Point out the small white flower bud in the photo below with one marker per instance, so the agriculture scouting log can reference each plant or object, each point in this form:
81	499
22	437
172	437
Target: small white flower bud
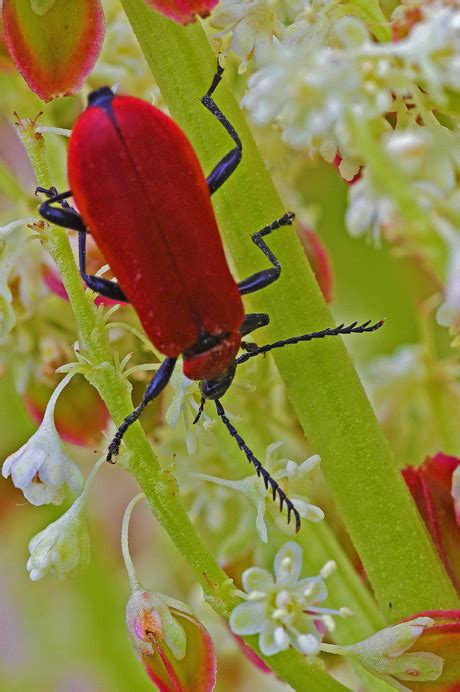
62	546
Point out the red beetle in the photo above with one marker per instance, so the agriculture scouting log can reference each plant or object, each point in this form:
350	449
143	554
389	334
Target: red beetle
141	193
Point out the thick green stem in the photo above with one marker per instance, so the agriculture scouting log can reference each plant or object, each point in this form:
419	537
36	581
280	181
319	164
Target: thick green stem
399	558
158	485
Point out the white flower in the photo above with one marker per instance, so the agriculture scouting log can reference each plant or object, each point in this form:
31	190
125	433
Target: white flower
368	211
251	23
293	478
62	546
283	610
41	468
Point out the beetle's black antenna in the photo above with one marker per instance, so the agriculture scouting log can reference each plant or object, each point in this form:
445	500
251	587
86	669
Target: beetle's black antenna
330	331
200	411
269	482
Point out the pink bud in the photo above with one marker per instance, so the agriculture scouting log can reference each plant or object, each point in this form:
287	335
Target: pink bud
319	259
183	11
431	487
74	32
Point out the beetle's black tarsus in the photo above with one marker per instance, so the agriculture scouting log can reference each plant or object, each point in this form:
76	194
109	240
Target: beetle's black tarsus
267	276
200	410
253	321
230	161
341	330
104	287
269	482
158	383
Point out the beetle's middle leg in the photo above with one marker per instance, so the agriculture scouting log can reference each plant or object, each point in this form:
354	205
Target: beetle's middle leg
66	216
267	276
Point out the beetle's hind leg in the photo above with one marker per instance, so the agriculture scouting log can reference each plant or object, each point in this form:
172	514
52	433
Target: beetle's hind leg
267	276
269	482
66	216
230	161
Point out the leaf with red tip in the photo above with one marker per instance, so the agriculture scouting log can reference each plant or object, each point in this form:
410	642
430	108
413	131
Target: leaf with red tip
196	671
183	11
431	487
53	43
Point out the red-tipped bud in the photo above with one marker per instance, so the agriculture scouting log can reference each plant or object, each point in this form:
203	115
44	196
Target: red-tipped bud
431	487
176	650
53	43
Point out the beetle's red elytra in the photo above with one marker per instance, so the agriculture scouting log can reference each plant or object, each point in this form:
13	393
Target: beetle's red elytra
141	192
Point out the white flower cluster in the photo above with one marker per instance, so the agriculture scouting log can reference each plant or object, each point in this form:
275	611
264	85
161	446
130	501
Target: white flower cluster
335	91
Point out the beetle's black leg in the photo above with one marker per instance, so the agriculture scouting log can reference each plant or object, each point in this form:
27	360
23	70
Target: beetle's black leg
253	321
63	215
330	331
105	287
67	216
158	383
266	276
228	164
269	482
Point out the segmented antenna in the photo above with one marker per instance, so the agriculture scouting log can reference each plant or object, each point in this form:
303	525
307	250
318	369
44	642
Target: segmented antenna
269	482
330	331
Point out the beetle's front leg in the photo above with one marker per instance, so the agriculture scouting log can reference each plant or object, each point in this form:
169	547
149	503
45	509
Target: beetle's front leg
158	383
66	216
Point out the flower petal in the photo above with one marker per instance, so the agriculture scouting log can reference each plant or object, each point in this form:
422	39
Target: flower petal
288	563
55	45
249	618
273	639
257	579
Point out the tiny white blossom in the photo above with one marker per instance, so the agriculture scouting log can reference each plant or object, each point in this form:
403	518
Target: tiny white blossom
283	610
41	468
292	477
62	546
251	24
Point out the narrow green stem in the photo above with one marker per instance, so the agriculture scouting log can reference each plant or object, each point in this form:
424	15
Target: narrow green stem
158	485
130	569
399	558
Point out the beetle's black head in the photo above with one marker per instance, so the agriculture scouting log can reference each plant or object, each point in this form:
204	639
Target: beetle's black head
101	97
214	389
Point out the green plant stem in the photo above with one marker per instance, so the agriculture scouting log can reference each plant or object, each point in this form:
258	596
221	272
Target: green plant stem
400	560
158	485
